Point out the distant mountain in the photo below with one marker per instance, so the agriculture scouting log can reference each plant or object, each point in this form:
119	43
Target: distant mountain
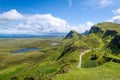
32	35
72	34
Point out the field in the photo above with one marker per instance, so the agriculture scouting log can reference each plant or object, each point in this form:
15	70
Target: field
58	58
13	63
108	71
44	63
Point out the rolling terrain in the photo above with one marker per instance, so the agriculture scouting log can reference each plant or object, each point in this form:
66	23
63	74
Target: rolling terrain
93	56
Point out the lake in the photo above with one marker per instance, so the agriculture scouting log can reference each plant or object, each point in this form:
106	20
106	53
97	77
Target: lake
54	44
26	50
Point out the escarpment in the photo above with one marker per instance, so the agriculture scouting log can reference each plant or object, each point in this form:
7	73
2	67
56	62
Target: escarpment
95	29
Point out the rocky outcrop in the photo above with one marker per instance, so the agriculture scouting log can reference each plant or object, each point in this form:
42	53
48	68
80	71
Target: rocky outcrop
72	34
106	33
110	33
95	29
116	41
111	59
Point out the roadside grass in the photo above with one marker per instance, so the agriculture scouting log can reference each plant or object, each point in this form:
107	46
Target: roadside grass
108	71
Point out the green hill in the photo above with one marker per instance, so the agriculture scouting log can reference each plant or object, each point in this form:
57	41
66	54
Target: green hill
59	62
72	34
108	26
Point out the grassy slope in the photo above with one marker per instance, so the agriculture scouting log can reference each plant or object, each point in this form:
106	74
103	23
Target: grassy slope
46	63
17	64
109	26
105	72
108	71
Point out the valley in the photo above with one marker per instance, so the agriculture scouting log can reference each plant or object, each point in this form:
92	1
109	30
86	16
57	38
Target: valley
92	56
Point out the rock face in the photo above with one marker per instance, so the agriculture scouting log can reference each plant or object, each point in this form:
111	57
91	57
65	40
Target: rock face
116	41
95	29
72	34
110	33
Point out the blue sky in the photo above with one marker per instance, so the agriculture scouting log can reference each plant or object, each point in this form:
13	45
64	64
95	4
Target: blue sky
72	14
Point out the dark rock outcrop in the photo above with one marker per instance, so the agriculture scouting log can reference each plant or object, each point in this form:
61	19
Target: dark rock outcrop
72	34
112	59
95	29
110	33
94	57
116	41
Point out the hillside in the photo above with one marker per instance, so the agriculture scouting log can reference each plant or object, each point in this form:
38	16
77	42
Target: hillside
72	34
108	26
103	41
59	62
108	71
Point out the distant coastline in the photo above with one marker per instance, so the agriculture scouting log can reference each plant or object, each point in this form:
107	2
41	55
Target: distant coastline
31	36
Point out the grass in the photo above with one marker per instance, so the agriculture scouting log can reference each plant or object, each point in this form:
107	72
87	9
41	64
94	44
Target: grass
108	71
25	64
11	71
59	62
109	26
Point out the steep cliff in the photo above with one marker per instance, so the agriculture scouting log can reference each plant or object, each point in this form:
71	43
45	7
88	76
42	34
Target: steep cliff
96	29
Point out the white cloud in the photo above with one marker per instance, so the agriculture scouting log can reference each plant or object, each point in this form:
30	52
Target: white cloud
116	11
105	3
99	3
16	23
10	15
86	26
44	23
115	19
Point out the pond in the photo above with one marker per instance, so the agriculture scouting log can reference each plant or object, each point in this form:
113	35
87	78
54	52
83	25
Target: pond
25	50
54	44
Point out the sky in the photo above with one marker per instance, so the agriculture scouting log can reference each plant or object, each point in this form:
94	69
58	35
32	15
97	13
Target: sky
55	16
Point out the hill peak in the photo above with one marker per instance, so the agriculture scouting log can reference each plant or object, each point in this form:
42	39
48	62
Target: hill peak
109	26
72	34
104	26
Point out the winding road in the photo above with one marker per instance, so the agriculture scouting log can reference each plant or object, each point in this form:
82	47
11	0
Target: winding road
80	59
